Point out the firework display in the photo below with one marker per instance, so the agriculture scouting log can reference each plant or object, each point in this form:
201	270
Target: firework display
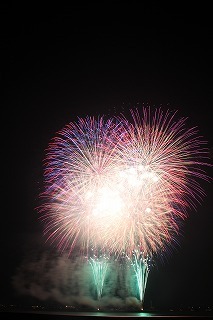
122	184
99	268
141	268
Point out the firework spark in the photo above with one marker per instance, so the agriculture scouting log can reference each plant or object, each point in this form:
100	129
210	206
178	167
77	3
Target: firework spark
99	268
141	267
122	184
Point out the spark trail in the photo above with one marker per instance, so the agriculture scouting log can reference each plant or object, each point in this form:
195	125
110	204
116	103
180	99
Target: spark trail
99	268
141	269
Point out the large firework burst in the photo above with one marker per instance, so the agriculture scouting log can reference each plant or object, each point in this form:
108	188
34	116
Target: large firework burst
121	184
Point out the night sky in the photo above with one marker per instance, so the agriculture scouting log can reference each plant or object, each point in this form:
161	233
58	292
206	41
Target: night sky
61	63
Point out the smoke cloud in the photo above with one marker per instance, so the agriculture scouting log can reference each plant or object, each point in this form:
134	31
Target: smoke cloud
56	278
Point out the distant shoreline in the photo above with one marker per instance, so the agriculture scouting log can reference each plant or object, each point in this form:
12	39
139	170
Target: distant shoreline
46	315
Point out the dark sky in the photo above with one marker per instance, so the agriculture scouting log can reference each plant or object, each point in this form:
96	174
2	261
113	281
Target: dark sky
77	60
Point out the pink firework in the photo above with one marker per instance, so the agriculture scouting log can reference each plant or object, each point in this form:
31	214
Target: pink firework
122	184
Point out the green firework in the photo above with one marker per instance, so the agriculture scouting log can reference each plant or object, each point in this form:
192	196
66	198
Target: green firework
99	268
141	270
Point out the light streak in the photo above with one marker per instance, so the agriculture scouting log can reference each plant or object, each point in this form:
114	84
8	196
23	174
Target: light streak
99	268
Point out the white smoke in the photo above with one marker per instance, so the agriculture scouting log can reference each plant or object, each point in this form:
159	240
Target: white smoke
55	278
